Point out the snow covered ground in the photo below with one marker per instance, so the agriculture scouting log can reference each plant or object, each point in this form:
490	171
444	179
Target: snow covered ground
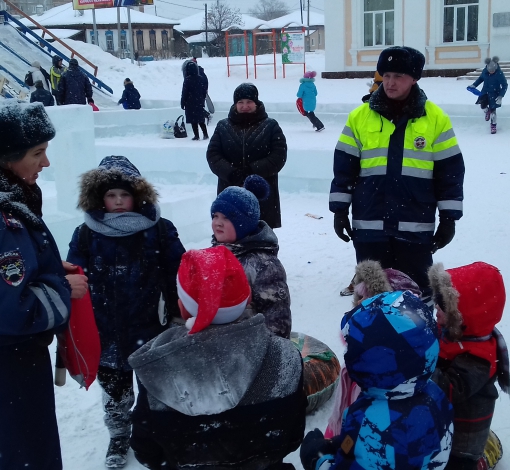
318	264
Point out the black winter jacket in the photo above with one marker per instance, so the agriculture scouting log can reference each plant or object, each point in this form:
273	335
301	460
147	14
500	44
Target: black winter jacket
124	277
42	96
194	91
74	87
258	253
247	144
130	97
245	408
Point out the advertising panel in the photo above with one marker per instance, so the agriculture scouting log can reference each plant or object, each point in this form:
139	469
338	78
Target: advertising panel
293	47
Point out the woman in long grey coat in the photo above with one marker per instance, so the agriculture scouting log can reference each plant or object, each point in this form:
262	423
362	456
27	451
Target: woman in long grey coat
249	142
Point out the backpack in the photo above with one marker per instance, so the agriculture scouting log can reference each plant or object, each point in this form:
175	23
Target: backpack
29	80
180	129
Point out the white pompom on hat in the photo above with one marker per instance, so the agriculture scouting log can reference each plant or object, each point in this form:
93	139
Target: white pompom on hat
212	286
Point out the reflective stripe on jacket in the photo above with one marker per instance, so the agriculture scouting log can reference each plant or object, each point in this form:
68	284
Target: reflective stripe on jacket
396	175
55	74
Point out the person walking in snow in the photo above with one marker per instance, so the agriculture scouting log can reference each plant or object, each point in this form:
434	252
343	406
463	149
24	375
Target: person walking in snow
201	72
36	288
397	161
131	256
41	95
56	72
236	224
194	91
221	392
248	142
74	86
38	73
308	92
470	301
493	90
130	97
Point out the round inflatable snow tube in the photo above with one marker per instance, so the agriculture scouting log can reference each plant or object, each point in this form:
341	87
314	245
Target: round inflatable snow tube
321	369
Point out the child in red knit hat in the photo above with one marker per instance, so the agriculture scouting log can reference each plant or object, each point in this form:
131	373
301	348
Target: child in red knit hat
470	301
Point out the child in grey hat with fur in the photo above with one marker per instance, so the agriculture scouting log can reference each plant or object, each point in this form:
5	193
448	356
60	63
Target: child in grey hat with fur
131	256
493	90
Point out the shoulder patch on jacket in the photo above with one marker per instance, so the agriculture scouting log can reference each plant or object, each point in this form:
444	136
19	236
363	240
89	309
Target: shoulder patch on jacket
11	221
12	268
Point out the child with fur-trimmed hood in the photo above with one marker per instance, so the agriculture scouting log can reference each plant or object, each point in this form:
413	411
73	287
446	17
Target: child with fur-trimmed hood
470	302
131	256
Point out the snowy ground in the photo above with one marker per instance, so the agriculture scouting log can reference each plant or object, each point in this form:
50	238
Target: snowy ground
318	264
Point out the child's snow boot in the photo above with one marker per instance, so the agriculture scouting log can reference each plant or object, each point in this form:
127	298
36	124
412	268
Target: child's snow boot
493	128
320	129
116	455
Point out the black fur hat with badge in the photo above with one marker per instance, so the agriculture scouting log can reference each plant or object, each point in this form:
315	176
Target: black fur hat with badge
401	59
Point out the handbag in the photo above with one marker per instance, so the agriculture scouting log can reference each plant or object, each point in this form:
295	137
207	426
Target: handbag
180	129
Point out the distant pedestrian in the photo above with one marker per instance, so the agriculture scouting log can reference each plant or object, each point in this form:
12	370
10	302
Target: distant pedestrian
130	97
74	86
56	72
201	72
41	95
308	92
194	91
38	73
493	91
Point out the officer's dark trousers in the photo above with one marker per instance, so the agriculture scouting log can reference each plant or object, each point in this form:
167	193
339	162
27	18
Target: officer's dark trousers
28	425
413	259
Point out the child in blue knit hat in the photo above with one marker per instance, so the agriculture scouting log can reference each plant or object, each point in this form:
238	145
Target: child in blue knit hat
236	224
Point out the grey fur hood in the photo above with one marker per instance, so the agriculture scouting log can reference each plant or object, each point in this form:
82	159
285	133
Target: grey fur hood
116	168
206	373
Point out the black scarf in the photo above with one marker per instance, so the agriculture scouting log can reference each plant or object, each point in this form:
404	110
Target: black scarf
394	110
19	198
247	119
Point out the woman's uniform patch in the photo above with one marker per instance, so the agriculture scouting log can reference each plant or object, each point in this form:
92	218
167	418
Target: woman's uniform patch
12	268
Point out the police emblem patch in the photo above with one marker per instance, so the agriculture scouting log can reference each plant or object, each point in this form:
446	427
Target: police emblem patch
12	268
420	142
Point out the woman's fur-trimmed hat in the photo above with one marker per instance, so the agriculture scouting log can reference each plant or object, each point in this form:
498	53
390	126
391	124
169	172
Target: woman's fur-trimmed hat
371	279
22	126
114	172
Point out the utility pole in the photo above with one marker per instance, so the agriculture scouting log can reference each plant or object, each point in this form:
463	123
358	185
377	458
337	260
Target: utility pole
301	9
206	34
308	26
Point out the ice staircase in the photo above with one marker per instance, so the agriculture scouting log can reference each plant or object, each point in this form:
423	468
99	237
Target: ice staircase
504	66
19	47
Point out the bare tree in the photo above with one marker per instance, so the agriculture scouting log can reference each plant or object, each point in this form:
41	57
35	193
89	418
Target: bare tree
269	9
219	17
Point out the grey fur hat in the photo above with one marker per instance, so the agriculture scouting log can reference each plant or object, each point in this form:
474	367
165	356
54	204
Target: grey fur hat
492	64
371	279
447	297
114	172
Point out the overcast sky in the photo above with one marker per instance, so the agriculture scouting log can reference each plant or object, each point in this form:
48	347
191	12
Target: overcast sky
181	8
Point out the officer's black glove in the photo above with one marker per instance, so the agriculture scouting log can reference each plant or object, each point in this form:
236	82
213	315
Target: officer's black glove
444	233
314	446
342	223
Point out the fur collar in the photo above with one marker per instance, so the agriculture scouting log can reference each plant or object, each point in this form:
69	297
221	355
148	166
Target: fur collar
413	107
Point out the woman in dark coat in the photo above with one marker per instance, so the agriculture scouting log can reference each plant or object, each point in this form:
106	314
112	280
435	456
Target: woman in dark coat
249	142
194	91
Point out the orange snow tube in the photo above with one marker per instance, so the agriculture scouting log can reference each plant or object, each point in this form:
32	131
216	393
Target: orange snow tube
321	369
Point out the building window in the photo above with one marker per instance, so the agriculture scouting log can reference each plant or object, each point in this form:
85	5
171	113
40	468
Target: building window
379	22
460	21
139	41
319	38
152	40
312	41
109	41
123	40
164	40
92	39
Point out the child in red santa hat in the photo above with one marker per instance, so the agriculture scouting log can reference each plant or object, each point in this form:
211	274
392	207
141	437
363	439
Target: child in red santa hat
222	391
473	354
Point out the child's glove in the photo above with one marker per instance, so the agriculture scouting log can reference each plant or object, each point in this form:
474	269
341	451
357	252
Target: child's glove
499	99
342	223
90	101
314	447
471	86
444	233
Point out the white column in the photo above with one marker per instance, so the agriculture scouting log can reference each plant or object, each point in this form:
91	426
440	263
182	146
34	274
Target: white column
334	35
